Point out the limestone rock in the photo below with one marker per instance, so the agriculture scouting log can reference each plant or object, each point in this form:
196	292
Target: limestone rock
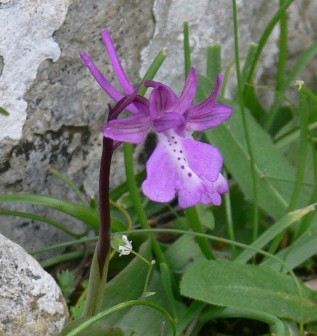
31	303
26	34
65	107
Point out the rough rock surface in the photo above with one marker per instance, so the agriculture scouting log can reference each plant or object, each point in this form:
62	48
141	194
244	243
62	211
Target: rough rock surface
64	106
31	303
66	110
26	41
209	23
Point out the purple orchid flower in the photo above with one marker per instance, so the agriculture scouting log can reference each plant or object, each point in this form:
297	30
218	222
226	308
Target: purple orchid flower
179	164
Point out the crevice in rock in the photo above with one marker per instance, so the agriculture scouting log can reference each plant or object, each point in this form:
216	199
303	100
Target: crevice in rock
1	65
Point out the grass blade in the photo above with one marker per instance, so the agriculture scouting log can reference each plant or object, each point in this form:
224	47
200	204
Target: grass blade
85	214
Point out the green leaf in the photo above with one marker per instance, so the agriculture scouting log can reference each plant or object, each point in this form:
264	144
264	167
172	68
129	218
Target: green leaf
153	69
129	285
278	327
41	219
182	253
4	111
273	232
257	288
265	36
66	282
295	254
305	57
214	66
99	328
204	88
83	213
186	49
70	183
250	97
275	176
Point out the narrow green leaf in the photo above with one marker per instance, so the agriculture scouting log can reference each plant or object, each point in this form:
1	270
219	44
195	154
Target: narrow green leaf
153	69
297	253
66	244
168	287
62	258
278	327
303	105
253	103
305	57
4	111
83	213
195	224
204	88
99	328
119	307
265	36
257	288
186	49
214	66
281	225
246	130
41	219
248	63
70	183
283	42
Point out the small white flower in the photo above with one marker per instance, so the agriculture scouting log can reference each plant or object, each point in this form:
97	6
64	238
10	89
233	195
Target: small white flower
299	83
126	248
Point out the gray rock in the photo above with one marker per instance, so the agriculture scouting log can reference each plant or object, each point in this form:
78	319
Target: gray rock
66	108
31	303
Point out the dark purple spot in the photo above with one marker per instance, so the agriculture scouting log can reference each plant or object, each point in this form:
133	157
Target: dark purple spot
173	137
181	151
174	150
175	142
189	174
183	167
178	158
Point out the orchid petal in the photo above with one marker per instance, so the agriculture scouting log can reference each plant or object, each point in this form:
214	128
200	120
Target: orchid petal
174	168
160	184
100	78
208	113
167	121
133	129
211	100
204	159
221	185
212	193
189	92
117	66
208	117
162	98
115	94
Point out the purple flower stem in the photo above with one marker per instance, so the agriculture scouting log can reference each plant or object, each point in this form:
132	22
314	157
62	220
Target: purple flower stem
104	204
108	147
